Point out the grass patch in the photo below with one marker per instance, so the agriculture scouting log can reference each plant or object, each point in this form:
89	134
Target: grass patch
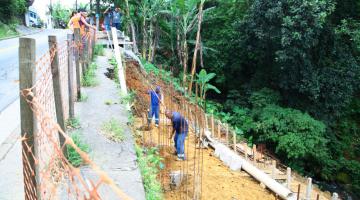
73	123
89	78
7	30
149	162
113	130
83	98
73	156
127	98
99	50
113	62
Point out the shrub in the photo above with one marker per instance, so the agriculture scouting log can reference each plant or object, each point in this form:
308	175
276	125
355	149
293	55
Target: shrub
73	123
72	155
149	162
99	50
89	78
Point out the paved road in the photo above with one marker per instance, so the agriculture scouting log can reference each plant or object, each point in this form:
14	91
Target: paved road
9	64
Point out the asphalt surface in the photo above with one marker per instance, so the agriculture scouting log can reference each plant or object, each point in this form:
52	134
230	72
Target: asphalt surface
9	63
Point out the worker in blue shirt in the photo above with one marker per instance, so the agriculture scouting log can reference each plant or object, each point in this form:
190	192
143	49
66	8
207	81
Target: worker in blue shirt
180	129
155	100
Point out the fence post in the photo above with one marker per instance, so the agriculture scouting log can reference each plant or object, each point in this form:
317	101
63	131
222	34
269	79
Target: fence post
212	126
55	71
219	130
88	48
273	169
27	55
298	192
308	189
227	135
206	122
119	62
70	75
335	196
234	140
288	177
254	153
77	61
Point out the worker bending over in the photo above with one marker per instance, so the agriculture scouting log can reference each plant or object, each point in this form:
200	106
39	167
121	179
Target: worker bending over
155	101
180	129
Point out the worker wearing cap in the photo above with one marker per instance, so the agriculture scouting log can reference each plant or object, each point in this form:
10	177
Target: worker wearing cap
155	100
180	129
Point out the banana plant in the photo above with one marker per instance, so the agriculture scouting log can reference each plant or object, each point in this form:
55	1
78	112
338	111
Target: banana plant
203	79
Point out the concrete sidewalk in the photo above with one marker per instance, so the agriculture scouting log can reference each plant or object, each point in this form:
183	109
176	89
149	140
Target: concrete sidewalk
118	160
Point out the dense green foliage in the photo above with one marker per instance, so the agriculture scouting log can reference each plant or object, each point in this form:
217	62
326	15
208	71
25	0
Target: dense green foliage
288	72
7	30
149	162
60	14
10	9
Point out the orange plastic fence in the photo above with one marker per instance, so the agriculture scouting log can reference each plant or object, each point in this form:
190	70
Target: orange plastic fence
52	176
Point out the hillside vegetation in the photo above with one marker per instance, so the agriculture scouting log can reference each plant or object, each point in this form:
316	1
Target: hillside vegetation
288	72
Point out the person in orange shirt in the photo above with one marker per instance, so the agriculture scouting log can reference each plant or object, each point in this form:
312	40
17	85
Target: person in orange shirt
78	20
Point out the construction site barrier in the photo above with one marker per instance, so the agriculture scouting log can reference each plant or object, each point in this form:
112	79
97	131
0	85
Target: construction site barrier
48	88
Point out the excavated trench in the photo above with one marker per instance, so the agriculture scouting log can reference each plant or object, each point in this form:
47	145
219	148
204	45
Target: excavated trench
218	181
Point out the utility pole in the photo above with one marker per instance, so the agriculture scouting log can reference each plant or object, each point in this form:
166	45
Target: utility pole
76	8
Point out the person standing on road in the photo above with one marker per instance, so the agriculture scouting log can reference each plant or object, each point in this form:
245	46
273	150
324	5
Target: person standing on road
155	101
180	129
79	21
107	24
116	22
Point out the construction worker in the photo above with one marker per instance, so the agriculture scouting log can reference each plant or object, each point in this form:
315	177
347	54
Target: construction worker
180	129
155	101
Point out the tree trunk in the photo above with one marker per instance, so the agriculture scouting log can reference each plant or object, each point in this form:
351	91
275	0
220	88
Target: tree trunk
132	28
197	46
185	59
156	41
178	46
145	38
151	41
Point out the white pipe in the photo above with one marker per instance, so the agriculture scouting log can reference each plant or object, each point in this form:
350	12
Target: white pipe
233	160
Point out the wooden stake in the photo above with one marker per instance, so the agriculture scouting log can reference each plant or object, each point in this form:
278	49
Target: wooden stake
70	76
77	61
288	179
298	192
273	169
219	130
55	71
212	126
234	141
27	56
308	189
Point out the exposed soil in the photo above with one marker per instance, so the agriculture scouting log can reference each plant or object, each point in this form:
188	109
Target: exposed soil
218	181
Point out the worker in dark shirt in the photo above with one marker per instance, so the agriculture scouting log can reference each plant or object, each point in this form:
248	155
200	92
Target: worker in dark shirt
180	129
155	100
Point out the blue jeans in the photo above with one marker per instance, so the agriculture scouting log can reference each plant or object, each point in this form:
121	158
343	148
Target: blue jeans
107	27
179	141
117	26
154	110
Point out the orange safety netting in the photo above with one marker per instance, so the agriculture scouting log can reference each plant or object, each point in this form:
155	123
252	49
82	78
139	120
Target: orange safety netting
48	174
